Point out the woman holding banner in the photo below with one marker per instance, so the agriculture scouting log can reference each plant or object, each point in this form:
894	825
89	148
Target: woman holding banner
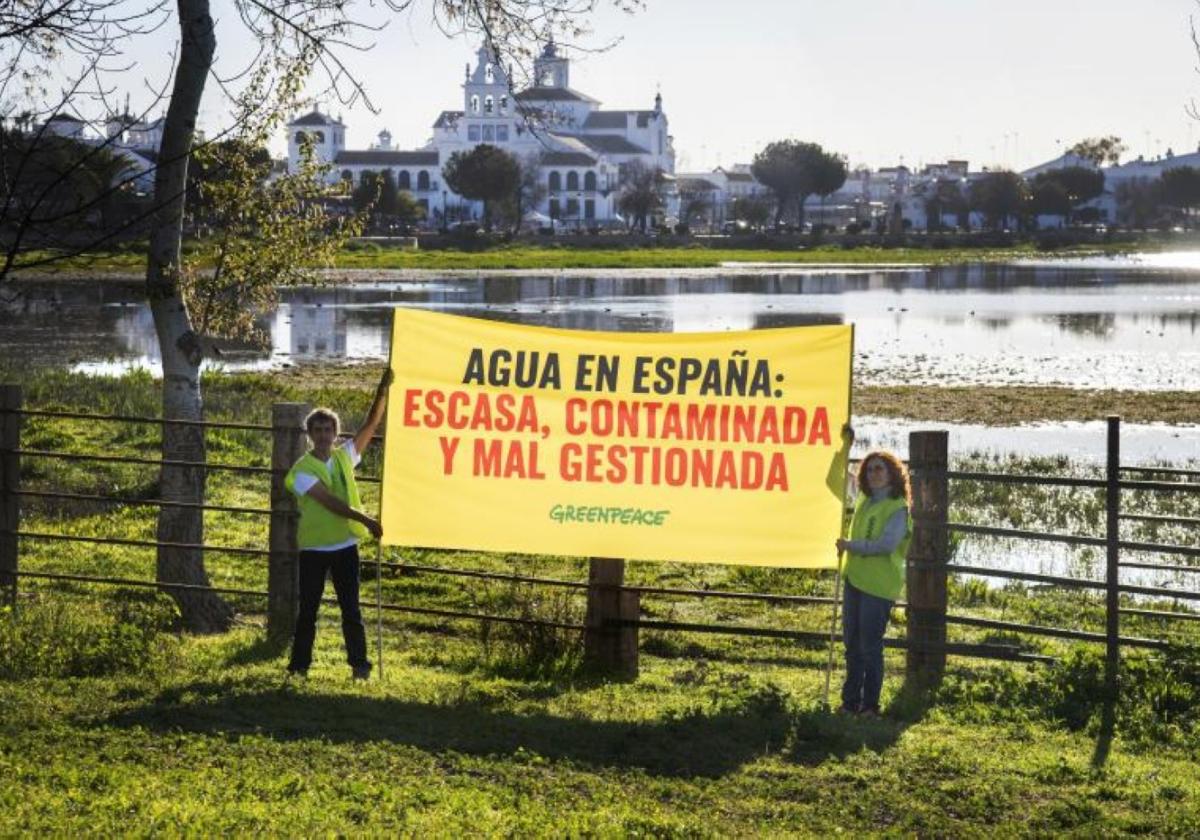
330	526
874	570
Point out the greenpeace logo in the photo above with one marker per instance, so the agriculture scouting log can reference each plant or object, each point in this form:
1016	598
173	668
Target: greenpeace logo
593	515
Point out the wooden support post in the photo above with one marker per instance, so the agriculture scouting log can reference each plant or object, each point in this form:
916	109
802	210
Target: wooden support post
10	484
928	554
608	648
1112	538
288	444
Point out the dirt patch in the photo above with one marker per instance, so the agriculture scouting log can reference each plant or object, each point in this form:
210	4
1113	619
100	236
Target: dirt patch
1024	404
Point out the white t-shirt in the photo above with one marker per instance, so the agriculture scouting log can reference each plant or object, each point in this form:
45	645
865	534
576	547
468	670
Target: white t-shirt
304	481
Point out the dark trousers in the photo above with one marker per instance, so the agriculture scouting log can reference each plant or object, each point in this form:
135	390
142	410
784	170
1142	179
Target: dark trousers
864	621
342	566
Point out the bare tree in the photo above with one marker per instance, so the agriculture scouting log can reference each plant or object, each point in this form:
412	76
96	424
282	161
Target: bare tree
299	42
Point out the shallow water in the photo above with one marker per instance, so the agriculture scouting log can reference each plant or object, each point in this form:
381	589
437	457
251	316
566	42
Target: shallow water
1081	442
1103	323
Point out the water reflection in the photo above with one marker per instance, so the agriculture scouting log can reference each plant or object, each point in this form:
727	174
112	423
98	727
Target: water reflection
1103	324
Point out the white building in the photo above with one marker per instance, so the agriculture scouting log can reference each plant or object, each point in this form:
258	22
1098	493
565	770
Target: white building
137	141
1139	169
580	149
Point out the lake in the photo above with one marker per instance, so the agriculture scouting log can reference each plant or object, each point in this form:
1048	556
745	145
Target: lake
1116	323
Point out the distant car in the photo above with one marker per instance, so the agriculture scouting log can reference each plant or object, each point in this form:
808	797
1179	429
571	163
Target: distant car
735	226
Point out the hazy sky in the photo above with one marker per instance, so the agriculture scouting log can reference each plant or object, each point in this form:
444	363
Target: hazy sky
878	80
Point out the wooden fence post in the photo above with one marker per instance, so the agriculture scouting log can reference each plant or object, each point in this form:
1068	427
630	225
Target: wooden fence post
287	445
10	483
1112	538
928	554
608	648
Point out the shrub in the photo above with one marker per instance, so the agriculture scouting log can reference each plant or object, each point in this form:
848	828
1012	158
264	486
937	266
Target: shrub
1158	697
531	650
77	638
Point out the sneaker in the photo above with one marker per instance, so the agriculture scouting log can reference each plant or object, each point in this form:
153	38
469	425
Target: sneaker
361	672
847	710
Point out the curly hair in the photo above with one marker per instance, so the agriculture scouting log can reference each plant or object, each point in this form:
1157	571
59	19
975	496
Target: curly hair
898	484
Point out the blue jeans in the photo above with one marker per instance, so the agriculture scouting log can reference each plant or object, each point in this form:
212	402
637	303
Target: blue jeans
342	566
864	620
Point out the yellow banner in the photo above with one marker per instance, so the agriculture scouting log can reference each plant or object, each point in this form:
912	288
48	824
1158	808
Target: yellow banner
702	447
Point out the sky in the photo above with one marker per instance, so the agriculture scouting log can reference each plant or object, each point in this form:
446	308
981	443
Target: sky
881	81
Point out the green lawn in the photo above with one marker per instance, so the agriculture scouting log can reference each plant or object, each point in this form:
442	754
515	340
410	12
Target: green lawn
367	255
212	742
113	722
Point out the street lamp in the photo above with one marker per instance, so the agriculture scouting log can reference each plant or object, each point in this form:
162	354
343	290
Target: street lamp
445	221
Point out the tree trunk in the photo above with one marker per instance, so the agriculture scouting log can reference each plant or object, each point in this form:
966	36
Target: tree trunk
202	612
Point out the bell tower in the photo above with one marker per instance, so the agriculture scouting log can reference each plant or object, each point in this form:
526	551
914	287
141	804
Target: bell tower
485	91
550	69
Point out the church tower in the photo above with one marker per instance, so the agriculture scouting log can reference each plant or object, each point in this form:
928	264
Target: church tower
485	91
550	69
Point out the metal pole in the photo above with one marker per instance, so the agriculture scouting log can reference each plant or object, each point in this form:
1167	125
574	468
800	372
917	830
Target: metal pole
837	600
379	606
379	512
837	579
1112	659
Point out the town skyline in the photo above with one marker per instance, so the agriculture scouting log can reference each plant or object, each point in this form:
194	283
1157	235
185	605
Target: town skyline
962	81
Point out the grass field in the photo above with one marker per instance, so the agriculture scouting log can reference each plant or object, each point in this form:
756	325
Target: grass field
368	255
113	722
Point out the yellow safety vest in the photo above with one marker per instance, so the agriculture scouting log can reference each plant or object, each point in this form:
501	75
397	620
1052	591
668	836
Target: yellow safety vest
318	525
881	575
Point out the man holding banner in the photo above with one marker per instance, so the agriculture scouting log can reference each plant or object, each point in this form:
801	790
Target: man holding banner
331	524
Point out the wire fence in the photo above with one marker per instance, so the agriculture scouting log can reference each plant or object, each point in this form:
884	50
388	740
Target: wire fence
929	615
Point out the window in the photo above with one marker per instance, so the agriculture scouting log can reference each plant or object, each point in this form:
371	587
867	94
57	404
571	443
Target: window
347	175
473	133
572	180
423	180
489	133
555	183
404	182
589	209
503	104
423	203
320	137
554	211
489	105
474	104
572	208
589	181
299	137
502	133
489	73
